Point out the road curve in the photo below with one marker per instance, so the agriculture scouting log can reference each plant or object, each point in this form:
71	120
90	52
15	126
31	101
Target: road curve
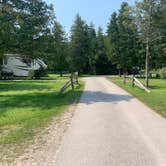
112	128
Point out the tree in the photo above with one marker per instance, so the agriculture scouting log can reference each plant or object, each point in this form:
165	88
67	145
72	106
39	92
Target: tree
33	20
127	37
92	39
79	45
60	48
146	11
7	20
159	43
113	40
102	61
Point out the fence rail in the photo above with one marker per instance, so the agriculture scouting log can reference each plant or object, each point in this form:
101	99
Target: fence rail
136	82
73	80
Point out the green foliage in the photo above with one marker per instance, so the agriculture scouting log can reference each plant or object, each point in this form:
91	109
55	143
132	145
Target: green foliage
7	19
162	73
88	50
127	37
113	39
92	42
152	26
79	45
122	38
40	73
102	61
30	28
23	25
58	53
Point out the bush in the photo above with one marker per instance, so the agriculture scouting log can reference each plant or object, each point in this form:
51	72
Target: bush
162	73
155	74
31	74
40	73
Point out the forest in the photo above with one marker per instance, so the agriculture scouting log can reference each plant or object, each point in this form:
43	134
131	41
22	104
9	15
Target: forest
135	38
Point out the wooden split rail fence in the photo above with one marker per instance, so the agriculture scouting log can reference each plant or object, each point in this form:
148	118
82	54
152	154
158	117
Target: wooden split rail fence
136	82
73	80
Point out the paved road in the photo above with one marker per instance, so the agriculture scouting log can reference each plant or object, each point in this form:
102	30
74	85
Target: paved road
111	128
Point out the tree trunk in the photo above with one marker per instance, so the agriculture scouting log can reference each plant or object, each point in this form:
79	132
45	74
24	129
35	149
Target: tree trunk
61	73
147	64
119	72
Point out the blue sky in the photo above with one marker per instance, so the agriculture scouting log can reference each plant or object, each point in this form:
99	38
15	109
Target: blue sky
96	11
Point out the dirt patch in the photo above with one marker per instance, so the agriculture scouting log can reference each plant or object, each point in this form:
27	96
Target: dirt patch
5	130
42	149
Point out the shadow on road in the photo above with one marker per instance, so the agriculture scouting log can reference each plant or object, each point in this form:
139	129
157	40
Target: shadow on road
90	97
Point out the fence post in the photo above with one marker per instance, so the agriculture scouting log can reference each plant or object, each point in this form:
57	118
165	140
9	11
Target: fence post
71	79
133	81
76	77
124	79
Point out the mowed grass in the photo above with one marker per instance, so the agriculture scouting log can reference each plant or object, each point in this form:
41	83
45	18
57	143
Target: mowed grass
156	99
30	104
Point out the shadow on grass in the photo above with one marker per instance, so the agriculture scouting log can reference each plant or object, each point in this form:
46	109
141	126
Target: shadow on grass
46	101
38	101
21	86
42	100
157	87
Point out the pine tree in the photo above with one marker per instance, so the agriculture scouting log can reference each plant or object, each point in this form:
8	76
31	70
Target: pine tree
33	21
159	45
92	49
22	26
7	20
127	37
79	45
60	48
102	60
146	11
113	41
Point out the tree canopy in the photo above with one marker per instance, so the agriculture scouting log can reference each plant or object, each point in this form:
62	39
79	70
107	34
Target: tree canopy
30	28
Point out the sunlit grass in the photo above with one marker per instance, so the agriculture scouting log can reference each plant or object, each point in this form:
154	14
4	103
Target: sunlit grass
156	99
30	104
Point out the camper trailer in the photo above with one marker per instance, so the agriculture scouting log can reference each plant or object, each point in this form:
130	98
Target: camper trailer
20	66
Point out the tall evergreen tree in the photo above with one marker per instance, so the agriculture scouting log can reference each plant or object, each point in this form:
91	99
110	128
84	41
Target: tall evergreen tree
33	22
159	44
127	37
79	45
60	48
102	60
92	49
146	11
113	40
23	23
7	24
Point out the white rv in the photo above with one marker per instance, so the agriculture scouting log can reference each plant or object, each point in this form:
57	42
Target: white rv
20	66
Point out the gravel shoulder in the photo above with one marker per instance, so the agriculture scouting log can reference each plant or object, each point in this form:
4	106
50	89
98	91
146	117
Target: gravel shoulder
42	149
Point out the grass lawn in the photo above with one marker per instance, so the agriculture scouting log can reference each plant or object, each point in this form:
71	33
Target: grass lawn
26	105
156	99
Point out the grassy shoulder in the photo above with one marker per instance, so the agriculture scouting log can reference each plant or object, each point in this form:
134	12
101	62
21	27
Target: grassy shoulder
156	99
30	104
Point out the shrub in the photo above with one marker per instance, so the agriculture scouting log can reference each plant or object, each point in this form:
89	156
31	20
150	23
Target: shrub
40	73
155	74
162	73
31	74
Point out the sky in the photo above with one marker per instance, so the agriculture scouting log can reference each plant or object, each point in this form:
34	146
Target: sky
96	11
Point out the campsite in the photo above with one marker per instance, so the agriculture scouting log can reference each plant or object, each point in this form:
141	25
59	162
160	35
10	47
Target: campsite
82	83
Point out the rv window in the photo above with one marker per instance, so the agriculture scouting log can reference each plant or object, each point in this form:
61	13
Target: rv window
27	61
